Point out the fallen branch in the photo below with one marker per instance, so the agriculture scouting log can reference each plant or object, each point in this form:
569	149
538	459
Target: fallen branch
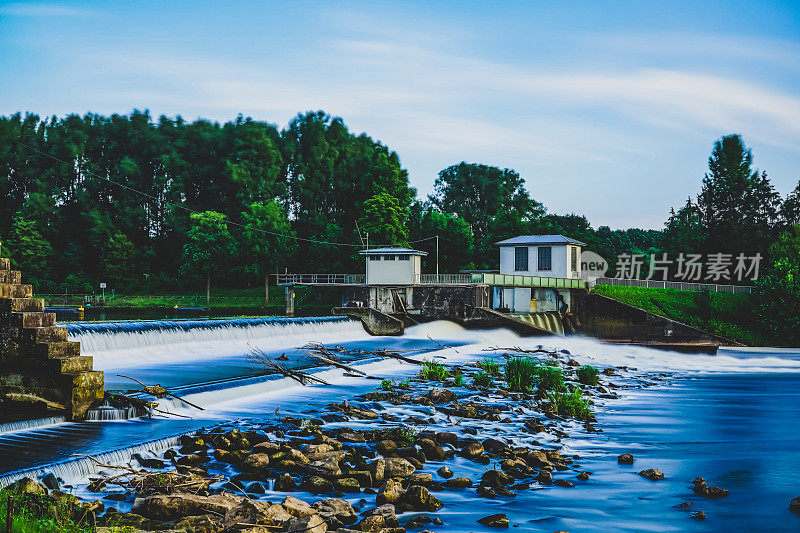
261	358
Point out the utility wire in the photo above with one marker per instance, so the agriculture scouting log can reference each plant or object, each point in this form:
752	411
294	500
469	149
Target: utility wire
180	206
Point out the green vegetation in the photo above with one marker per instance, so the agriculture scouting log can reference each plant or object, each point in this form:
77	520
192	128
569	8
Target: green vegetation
570	404
778	298
489	366
387	384
549	377
458	379
520	373
433	371
40	513
727	314
405	384
481	379
588	375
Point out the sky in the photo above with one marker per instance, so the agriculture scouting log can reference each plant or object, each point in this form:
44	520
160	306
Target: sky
607	109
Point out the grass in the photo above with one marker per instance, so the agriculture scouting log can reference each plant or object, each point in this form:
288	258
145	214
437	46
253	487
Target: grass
433	371
458	379
489	366
571	404
481	379
588	375
34	513
405	384
722	313
520	373
550	377
387	384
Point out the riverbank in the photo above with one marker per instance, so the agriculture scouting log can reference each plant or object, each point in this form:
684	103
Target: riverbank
726	314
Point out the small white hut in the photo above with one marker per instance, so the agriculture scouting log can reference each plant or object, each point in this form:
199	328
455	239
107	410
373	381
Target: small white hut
393	266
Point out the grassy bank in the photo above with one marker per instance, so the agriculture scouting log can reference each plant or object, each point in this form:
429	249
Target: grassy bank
722	313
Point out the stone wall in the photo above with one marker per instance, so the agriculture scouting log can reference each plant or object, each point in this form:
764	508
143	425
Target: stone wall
41	372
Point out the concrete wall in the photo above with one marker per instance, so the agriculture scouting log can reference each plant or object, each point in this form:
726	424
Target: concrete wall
560	261
381	271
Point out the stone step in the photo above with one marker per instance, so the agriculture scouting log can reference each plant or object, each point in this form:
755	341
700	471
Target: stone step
71	365
56	350
12	277
86	390
5	263
44	335
17	305
32	320
10	290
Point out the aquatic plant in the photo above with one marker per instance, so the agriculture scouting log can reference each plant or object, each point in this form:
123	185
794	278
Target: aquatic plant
405	384
433	371
571	404
588	375
387	384
549	377
40	513
520	373
458	379
481	379
489	366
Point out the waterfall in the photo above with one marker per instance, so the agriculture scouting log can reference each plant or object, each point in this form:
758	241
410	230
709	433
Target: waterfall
23	425
547	320
128	344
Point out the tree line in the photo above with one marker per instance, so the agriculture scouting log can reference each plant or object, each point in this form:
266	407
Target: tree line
164	204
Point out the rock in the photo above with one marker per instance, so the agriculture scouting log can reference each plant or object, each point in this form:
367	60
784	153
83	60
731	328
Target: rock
285	483
328	467
199	524
495	446
316	485
486	492
794	505
625	459
178	505
702	489
347	484
446	437
494	478
544	477
257	462
471	451
193	459
496	520
377	469
313	449
398	467
420	478
432	450
564	483
716	492
445	472
583	476
336	512
698	515
438	395
363	477
308	524
378	518
348	435
257	512
296	507
386	447
265	447
148	462
418	498
653	474
26	486
390	492
516	467
573	362
537	459
458	483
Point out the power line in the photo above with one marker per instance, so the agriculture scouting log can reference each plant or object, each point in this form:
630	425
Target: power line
180	206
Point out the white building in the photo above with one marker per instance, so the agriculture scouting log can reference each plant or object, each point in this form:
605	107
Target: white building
541	256
393	266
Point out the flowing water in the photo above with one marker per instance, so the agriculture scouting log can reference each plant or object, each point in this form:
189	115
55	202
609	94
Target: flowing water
731	418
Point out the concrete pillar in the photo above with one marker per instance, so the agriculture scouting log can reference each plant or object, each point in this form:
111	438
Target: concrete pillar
289	300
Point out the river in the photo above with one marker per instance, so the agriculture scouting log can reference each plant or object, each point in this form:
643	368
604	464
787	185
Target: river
730	418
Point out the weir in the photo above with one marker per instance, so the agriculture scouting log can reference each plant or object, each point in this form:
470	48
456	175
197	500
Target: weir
41	372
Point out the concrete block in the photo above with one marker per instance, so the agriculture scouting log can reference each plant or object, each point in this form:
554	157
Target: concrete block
71	365
12	277
9	290
56	350
18	305
5	263
33	320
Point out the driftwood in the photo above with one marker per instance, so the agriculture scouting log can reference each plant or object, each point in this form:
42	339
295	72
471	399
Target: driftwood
321	353
160	392
262	358
519	350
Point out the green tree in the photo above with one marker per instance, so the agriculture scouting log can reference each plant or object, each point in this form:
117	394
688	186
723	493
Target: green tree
790	209
118	258
209	246
267	239
778	289
455	238
384	218
30	251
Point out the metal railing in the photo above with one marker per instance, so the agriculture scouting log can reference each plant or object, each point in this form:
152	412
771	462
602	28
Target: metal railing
445	279
678	285
321	279
513	280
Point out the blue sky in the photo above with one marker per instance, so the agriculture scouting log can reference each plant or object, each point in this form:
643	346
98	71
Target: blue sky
607	109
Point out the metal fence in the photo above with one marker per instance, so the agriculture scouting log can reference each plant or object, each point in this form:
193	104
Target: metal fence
321	279
681	286
445	279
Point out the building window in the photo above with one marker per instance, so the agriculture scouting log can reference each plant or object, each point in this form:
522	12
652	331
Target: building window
574	259
388	258
545	258
403	257
521	258
374	257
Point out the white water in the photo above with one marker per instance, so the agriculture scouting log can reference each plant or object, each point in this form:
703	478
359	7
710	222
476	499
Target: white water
24	425
125	345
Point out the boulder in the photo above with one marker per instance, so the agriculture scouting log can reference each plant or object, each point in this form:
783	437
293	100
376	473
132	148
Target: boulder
386	447
653	474
336	512
377	469
432	450
439	395
496	520
285	483
495	446
328	467
26	486
308	524
794	505
564	483
398	467
199	524
257	462
379	518
348	435
296	507
317	485
537	459
347	484
494	478
458	483
698	515
625	459
418	498
471	451
420	478
583	476
445	472
390	492
178	505
257	512
544	477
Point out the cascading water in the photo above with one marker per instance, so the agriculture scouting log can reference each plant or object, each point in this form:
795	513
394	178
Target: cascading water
116	345
547	320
